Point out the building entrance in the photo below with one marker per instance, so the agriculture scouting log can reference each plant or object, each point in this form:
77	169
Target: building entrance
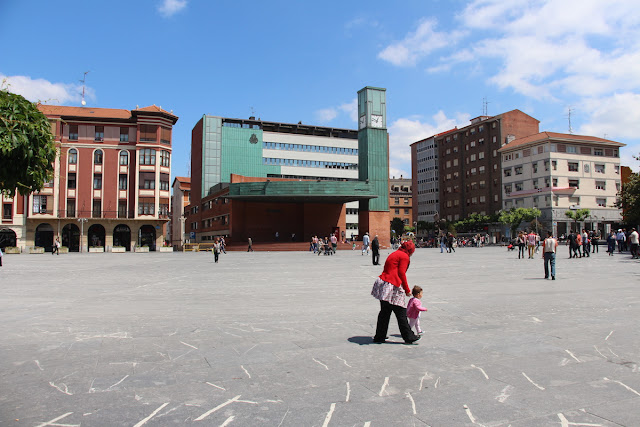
44	237
71	237
7	238
148	237
96	235
122	236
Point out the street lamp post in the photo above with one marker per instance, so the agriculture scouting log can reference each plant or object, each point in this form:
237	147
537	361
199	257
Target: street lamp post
82	221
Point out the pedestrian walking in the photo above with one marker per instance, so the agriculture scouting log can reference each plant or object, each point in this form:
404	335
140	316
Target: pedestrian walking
375	251
56	246
250	248
390	288
365	243
633	243
450	243
216	249
594	242
414	308
222	245
586	249
620	238
520	241
334	243
611	243
1	255
549	256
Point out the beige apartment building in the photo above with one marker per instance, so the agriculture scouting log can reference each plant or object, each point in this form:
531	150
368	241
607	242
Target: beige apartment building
558	172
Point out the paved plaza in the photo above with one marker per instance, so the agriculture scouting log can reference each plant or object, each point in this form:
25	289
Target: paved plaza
284	339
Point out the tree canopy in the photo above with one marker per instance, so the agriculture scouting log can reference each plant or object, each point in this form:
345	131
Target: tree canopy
629	199
398	226
515	216
578	215
27	146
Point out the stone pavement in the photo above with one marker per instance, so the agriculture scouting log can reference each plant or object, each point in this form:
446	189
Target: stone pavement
284	339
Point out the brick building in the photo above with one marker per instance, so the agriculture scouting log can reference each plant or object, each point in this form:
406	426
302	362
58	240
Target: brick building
401	199
469	165
110	187
180	199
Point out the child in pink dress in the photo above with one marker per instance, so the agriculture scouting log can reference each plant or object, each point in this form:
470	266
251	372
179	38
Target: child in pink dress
414	308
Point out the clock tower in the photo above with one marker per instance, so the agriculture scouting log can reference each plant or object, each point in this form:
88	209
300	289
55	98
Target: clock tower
373	161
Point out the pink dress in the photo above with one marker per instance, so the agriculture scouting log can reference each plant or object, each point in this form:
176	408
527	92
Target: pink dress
414	308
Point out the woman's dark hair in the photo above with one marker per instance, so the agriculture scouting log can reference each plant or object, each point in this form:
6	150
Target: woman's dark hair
416	290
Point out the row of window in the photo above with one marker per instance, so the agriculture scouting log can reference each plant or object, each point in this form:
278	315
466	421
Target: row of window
571	167
546	202
309	163
147	181
147	157
148	133
397	211
573	183
562	148
309	148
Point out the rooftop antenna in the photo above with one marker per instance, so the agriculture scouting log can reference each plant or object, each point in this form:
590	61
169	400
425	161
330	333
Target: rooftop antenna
84	78
569	117
485	106
253	112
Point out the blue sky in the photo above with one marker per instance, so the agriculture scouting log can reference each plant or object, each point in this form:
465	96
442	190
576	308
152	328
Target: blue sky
291	61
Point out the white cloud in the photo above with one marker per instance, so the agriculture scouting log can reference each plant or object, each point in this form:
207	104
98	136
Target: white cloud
171	7
617	116
40	90
350	108
326	115
405	131
418	44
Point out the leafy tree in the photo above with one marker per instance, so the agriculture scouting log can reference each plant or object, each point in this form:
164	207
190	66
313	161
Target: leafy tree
629	199
577	216
27	146
514	217
473	222
398	226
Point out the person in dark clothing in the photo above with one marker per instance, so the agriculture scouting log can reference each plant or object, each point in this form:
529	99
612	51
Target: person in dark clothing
573	245
450	243
375	251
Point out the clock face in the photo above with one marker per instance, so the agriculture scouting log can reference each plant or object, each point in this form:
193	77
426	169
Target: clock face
362	122
376	121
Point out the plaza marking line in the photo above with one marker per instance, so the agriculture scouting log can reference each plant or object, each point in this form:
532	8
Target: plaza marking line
348	392
245	371
608	335
437	382
317	361
216	386
481	370
38	365
65	391
609	348
51	423
285	416
211	411
469	414
535	319
328	417
227	421
572	355
345	362
125	377
540	387
503	394
565	423
153	414
188	345
623	385
599	352
426	375
413	403
367	424
386	382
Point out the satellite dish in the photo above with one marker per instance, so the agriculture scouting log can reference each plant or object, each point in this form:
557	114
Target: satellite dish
84	102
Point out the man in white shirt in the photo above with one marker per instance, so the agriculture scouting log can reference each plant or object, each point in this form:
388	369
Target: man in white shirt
365	243
633	241
549	255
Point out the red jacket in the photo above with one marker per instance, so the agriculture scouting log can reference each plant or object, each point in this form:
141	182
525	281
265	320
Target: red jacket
396	265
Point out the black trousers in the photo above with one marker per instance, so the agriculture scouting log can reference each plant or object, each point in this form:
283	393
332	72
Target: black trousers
383	322
375	256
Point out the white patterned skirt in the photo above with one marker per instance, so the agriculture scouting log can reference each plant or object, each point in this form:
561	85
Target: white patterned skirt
385	291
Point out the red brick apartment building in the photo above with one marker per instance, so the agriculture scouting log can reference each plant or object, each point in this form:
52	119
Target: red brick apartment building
111	183
469	164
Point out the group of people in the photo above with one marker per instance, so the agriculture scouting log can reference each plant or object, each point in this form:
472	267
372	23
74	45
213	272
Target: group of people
327	246
448	243
529	240
582	243
625	241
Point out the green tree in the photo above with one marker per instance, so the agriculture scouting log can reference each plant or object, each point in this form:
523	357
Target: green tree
473	222
27	146
398	226
577	216
629	199
514	217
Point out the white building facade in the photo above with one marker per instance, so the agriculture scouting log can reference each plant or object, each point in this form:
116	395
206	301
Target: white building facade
425	186
557	172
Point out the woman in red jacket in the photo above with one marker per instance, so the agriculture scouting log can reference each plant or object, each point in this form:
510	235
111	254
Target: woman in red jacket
390	288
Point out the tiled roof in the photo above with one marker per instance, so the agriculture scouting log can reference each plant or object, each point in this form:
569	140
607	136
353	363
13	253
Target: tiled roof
183	181
560	137
154	109
59	110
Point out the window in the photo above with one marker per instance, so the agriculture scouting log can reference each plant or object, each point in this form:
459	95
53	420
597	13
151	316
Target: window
39	204
397	211
165	135
481	155
481	169
164	181
165	157
573	166
480	128
71	208
483	199
73	132
406	211
148	133
601	202
97	157
617	168
148	156
97	209
473	144
598	152
519	186
124	158
535	184
574	183
71	180
97	182
518	170
473	157
601	185
99	133
555	182
7	211
124	134
534	166
406	200
598	168
571	149
122	208
455	162
507	188
396	200
546	165
73	156
507	172
483	184
554	165
146	206
122	182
